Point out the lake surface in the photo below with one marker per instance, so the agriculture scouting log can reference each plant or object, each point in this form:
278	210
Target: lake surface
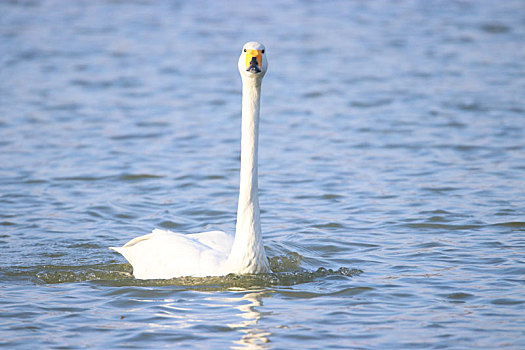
392	167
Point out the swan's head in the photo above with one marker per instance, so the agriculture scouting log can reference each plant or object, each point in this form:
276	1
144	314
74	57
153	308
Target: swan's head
252	62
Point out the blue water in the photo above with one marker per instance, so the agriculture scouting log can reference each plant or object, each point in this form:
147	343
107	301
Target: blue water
392	171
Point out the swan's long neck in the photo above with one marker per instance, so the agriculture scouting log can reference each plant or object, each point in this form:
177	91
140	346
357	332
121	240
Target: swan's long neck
247	254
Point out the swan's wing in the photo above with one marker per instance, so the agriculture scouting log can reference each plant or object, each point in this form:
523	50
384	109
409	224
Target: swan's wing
217	240
164	254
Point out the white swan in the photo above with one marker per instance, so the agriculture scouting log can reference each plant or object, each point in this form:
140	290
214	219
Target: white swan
164	254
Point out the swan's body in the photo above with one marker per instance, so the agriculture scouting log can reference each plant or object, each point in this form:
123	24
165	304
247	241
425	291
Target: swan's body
164	254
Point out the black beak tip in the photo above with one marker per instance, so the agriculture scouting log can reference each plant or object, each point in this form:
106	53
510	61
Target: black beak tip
254	68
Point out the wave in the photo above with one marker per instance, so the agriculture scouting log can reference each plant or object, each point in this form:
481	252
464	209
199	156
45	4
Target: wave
286	271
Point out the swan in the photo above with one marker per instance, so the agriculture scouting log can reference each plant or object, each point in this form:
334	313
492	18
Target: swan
165	254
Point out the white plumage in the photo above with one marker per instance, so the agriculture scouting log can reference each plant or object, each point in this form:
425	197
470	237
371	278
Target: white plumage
165	254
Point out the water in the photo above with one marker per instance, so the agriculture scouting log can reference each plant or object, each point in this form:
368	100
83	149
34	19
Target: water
391	172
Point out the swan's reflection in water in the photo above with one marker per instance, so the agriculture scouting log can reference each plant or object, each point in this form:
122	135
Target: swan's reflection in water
230	316
252	337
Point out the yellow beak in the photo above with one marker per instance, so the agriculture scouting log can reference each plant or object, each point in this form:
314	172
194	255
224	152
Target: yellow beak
250	54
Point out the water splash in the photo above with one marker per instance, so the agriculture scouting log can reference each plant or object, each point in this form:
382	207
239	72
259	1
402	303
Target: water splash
286	272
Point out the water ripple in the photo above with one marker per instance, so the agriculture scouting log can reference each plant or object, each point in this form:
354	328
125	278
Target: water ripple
391	154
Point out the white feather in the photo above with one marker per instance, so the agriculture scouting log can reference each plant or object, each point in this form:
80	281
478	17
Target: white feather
165	254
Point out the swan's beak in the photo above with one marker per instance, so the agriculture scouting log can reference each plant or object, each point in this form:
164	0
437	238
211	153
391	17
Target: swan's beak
253	61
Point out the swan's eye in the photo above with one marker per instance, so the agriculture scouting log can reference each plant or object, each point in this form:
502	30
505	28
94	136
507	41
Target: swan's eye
244	50
262	51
